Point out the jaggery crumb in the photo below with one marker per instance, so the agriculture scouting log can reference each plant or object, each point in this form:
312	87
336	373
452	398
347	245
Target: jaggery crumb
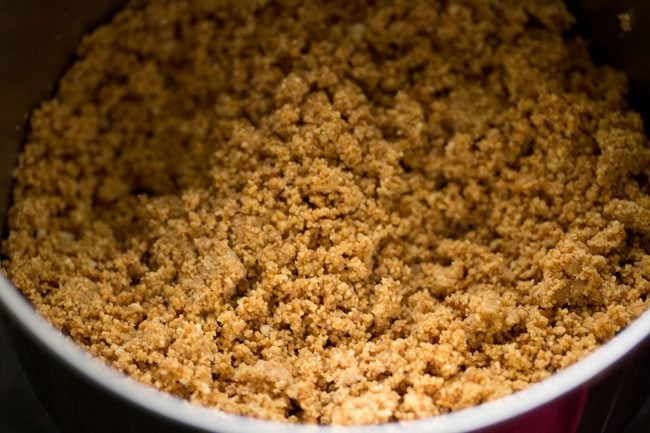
333	211
625	21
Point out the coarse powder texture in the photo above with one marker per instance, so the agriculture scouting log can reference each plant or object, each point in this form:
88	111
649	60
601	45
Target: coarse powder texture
335	212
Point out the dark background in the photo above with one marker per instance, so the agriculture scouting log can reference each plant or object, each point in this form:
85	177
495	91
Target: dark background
20	410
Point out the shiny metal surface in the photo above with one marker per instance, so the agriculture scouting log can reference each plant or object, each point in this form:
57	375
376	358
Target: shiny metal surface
36	42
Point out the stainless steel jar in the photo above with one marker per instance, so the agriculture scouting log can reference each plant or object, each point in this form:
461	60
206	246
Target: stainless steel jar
37	38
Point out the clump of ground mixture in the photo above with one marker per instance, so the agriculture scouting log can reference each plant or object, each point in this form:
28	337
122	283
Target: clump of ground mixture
335	211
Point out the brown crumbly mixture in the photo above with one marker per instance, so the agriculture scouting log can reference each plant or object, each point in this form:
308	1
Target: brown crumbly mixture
625	21
335	212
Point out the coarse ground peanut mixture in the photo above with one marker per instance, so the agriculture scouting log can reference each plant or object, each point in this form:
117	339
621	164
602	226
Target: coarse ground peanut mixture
335	212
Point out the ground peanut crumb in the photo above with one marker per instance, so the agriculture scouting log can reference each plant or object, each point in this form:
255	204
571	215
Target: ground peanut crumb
335	212
625	21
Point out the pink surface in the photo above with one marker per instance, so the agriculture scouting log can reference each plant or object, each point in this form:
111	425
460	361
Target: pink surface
560	416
